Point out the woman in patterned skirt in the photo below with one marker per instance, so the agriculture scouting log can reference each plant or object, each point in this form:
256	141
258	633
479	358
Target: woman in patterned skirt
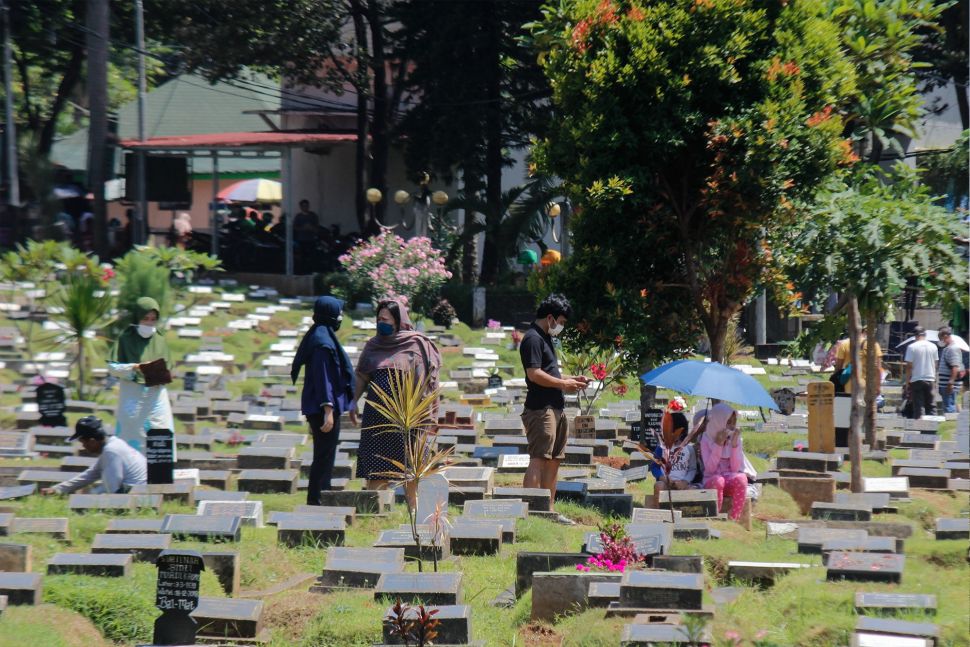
396	347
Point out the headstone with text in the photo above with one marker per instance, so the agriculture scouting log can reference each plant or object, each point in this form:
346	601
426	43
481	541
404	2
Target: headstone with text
651	427
51	405
160	455
177	595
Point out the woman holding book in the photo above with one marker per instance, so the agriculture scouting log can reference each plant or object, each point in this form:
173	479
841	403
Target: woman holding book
141	360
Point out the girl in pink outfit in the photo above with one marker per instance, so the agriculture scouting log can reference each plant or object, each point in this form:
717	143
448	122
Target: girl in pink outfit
724	459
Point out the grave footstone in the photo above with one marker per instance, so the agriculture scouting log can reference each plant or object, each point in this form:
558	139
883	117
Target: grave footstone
762	574
475	539
558	594
618	505
250	513
867	545
650	635
358	567
953	528
8	493
420	588
528	563
229	618
268	481
810	540
133	526
841	511
865	567
679	563
57	527
311	530
454	625
690	503
498	509
202	528
363	501
21	588
661	590
538	499
142	547
902	628
99	565
895	603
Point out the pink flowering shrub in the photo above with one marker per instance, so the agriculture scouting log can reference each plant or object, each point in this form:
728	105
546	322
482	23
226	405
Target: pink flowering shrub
619	552
388	265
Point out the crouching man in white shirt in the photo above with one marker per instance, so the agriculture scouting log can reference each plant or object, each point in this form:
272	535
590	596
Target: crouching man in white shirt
119	466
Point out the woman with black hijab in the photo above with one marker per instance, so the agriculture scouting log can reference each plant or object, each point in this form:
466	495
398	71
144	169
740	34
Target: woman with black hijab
328	390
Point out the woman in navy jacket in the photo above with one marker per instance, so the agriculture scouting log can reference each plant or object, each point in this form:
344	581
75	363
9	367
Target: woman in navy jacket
328	390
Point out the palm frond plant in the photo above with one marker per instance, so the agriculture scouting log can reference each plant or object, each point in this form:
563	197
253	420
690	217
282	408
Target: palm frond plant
671	450
84	306
409	408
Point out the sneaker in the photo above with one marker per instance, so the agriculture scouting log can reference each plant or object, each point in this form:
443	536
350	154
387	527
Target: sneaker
566	521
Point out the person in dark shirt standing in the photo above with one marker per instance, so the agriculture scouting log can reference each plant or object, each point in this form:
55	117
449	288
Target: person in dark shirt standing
543	416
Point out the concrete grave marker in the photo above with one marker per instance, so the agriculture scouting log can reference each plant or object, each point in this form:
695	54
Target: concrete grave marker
359	567
229	617
100	565
865	567
142	547
424	588
821	418
250	513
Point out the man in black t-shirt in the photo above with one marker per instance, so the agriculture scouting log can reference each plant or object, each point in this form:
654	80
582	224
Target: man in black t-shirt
543	418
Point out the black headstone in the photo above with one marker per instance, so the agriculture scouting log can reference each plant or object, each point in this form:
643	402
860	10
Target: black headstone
51	405
177	595
190	380
652	422
160	455
495	381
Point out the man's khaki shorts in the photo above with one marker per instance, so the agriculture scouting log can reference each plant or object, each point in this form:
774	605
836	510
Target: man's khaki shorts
546	431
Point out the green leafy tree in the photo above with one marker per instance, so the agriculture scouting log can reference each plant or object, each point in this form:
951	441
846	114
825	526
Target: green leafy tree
85	308
683	132
862	239
882	39
479	93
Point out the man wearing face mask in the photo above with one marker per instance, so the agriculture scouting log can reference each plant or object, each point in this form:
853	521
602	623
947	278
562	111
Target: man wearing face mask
140	407
543	416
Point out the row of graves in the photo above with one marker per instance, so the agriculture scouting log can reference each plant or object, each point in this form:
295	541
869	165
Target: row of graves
655	598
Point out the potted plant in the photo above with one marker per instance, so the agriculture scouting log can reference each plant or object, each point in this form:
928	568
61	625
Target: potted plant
411	410
607	369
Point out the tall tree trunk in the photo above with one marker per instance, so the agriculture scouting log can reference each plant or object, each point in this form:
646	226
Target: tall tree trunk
873	378
80	368
491	255
72	75
97	46
469	252
380	142
363	93
854	325
717	328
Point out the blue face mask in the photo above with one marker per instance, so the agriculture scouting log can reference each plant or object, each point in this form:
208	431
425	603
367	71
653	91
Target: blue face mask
384	328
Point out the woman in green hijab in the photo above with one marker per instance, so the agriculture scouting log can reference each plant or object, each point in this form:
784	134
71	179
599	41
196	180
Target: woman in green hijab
140	407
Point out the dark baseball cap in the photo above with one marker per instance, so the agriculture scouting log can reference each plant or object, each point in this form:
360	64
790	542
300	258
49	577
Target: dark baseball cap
88	427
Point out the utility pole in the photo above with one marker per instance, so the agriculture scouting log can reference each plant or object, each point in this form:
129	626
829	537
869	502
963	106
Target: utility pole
97	40
13	194
140	154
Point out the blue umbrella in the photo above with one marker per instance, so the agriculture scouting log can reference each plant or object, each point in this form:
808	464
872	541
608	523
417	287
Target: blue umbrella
711	380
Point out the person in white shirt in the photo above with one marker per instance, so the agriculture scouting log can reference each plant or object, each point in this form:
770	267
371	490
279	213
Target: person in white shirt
921	358
119	466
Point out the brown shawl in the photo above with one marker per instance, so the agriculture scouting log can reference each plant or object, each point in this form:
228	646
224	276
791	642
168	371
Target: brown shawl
405	350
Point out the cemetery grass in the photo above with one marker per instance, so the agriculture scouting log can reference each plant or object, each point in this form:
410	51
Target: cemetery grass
48	625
